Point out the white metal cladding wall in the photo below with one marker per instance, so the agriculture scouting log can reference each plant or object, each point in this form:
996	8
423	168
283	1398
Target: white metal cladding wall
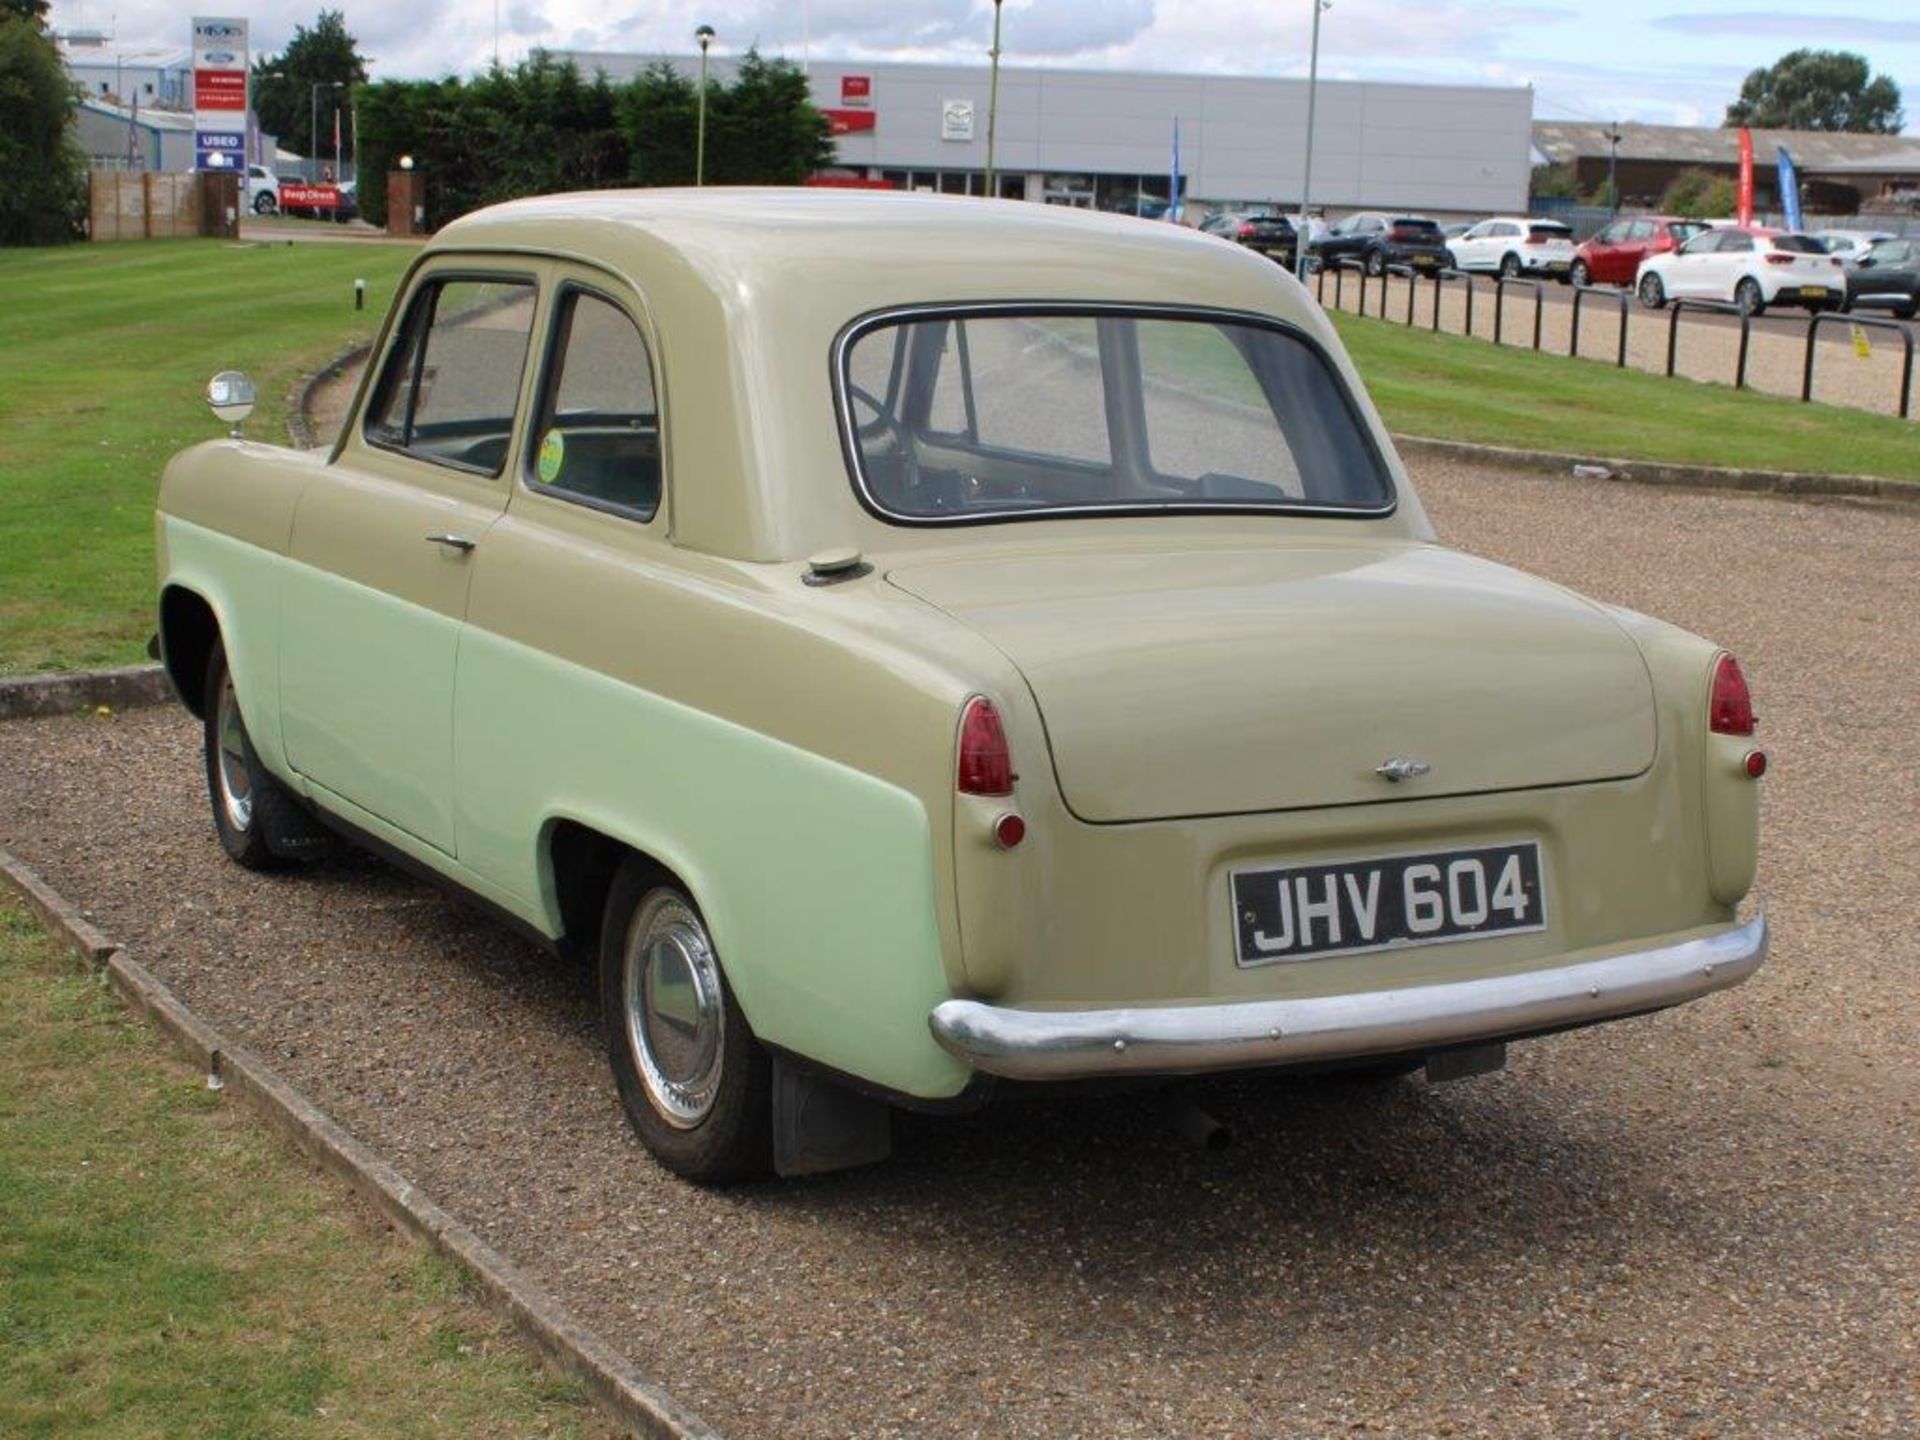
1439	147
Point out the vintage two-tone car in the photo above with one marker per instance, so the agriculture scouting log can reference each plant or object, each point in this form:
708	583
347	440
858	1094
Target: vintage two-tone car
920	644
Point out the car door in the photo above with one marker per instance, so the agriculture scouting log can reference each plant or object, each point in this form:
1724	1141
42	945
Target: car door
1466	249
1732	258
575	587
384	543
1690	273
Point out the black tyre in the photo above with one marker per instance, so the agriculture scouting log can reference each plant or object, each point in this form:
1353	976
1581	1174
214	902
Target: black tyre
259	823
1376	262
264	203
1653	294
1580	275
1748	297
697	1087
1510	267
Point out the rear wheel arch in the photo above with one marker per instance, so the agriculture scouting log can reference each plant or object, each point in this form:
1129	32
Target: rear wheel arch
189	629
580	862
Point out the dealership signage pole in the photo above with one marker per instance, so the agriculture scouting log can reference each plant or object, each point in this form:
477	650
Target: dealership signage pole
1300	235
220	93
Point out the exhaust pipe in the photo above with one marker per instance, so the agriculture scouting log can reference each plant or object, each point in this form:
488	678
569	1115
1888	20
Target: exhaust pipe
1197	1127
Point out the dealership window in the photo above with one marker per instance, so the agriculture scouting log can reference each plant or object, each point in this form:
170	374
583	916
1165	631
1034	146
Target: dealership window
599	423
451	383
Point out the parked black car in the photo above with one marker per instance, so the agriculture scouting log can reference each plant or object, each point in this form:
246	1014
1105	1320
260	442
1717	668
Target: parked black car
1378	240
1887	276
1267	231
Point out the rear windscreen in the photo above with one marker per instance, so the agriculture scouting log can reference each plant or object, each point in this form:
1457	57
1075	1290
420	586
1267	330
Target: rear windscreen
968	415
1549	232
1799	244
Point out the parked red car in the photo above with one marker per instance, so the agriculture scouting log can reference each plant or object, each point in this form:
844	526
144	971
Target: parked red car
1613	256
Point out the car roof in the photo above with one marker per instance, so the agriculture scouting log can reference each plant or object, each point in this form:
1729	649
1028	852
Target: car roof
747	288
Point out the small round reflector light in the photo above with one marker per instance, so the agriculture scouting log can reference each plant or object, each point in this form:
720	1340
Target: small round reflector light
1008	831
1755	763
986	764
1729	703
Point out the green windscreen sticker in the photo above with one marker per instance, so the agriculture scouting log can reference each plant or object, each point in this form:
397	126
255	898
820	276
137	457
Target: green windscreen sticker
553	455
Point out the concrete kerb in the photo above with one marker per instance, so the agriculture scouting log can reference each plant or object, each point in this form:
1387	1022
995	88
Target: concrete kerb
626	1397
31	696
1652	472
300	402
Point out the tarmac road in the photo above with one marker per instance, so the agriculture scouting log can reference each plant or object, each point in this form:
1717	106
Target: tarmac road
1700	1223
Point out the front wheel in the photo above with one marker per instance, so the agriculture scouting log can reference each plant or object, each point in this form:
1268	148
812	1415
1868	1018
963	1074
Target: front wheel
696	1086
264	203
1580	275
1653	294
1747	296
259	823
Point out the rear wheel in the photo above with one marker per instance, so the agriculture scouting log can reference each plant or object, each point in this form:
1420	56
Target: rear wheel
1653	294
264	203
697	1087
1747	296
1376	262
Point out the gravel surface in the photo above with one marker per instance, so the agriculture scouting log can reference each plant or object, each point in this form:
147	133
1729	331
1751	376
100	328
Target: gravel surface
1701	1223
1707	348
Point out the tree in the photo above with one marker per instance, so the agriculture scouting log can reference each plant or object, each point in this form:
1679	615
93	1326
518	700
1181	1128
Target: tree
43	174
1819	90
1554	182
283	93
34	10
1699	195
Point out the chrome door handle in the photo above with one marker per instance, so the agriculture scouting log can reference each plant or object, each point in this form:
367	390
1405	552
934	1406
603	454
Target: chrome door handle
452	542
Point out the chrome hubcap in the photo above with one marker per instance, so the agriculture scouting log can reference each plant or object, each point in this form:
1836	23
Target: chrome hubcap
235	783
676	1021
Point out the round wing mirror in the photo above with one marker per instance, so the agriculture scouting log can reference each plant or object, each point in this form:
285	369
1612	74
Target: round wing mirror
231	395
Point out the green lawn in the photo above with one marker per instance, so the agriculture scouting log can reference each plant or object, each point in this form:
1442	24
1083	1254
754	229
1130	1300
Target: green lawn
168	1267
1458	389
104	350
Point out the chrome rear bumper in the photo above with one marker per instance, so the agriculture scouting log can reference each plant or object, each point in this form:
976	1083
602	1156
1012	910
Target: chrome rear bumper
1184	1039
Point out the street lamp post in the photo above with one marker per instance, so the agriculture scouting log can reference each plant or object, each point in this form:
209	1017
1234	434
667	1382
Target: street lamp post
1613	173
993	100
705	36
1300	246
313	124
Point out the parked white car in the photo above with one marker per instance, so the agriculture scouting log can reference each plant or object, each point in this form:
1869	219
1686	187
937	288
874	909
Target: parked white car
1512	245
263	190
1745	266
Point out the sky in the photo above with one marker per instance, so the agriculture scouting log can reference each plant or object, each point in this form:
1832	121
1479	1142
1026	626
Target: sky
1659	61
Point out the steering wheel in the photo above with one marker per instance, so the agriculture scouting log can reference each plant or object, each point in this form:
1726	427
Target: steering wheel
884	422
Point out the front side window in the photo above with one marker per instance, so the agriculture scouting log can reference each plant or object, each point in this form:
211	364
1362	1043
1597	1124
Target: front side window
452	380
1008	414
598	433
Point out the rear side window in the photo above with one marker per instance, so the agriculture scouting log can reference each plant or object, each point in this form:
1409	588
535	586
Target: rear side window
452	382
598	422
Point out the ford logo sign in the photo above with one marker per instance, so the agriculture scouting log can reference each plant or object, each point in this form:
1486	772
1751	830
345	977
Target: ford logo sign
219	57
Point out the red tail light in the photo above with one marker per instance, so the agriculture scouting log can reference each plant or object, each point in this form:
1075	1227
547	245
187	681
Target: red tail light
986	764
1244	230
1774	257
1729	704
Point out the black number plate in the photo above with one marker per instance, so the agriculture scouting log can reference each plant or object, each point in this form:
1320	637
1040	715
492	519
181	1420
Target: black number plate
1308	911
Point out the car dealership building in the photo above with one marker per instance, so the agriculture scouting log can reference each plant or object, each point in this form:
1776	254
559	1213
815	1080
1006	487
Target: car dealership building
1106	138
